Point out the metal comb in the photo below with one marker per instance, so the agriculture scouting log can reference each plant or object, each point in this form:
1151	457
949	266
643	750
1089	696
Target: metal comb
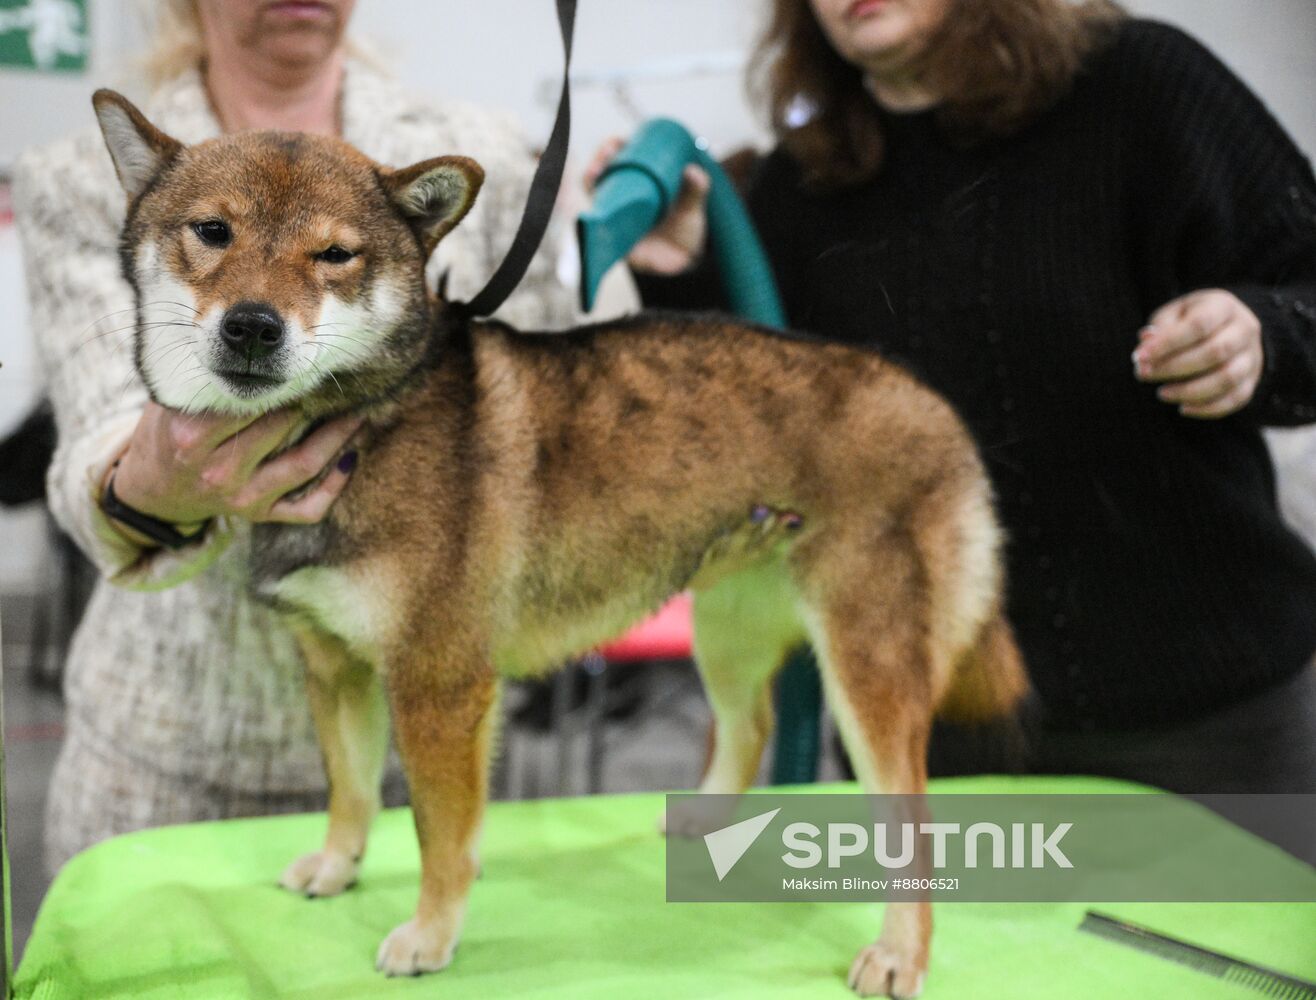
1269	982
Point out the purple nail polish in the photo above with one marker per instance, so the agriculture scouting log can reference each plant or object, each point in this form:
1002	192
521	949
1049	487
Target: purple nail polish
759	514
348	462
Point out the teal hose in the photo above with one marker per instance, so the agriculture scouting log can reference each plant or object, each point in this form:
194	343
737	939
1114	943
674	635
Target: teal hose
636	190
632	195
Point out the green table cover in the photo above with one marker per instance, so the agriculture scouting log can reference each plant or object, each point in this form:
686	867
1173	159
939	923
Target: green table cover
571	905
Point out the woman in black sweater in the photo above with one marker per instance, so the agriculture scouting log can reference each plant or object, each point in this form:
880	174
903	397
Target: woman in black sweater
1097	243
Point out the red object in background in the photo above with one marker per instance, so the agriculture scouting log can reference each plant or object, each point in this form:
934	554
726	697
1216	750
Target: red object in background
665	636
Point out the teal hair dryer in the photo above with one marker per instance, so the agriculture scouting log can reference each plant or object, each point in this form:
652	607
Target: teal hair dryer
633	193
636	190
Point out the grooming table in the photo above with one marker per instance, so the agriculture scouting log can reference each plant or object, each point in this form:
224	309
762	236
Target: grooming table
571	906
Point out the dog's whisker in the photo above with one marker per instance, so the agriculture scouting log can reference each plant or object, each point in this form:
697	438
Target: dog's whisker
175	320
187	407
164	349
351	355
330	335
166	309
170	302
120	312
132	329
179	363
324	371
101	319
335	337
114	346
322	337
127	384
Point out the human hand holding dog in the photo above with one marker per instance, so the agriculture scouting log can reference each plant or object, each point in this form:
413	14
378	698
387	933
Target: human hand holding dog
187	468
676	243
1206	347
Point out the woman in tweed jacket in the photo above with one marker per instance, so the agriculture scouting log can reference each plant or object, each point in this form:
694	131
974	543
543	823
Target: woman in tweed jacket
185	699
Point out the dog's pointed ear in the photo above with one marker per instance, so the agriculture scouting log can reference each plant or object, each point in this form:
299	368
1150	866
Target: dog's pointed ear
139	149
434	195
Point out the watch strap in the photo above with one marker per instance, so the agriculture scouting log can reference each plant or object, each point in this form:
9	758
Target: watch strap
161	532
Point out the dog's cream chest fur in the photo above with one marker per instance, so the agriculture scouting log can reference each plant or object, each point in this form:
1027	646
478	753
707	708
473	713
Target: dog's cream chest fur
350	603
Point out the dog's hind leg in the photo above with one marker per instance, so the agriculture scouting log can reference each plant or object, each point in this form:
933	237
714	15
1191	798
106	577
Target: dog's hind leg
445	720
744	628
870	619
351	721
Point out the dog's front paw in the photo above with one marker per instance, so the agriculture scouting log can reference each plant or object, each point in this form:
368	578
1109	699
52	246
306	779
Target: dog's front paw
324	873
883	971
411	949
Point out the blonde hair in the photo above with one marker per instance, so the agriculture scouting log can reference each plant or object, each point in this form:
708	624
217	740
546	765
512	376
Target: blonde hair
177	45
176	42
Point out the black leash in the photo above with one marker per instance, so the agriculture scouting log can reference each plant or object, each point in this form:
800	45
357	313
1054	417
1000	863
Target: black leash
543	189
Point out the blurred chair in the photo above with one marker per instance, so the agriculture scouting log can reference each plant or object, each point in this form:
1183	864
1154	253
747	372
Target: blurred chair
668	635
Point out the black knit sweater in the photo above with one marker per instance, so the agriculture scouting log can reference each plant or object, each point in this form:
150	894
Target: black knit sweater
1150	576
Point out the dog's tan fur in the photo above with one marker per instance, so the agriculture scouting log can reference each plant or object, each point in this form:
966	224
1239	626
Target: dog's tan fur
523	497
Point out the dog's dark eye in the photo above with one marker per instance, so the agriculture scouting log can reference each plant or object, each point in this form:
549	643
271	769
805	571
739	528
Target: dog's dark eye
335	255
213	232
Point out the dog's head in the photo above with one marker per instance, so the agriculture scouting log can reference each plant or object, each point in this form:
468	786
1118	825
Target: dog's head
270	267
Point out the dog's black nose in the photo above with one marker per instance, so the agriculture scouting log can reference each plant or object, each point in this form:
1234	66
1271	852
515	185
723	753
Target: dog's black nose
252	330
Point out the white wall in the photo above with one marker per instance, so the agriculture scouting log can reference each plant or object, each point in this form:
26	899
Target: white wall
507	53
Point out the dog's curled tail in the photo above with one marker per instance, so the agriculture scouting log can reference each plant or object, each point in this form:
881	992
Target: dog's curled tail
989	679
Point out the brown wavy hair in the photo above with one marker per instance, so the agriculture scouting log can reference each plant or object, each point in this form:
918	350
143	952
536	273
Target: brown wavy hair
996	65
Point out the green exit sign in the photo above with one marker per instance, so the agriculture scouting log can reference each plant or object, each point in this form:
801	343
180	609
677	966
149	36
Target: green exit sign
48	35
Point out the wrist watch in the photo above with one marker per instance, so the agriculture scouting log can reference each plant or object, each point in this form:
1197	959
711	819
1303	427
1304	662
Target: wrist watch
161	532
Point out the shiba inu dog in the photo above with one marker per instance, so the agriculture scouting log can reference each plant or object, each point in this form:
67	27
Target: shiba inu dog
523	497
